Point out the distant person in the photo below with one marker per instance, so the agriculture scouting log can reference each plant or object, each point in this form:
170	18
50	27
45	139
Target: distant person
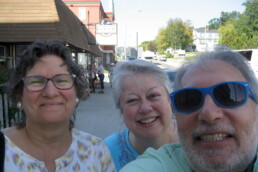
141	92
110	73
47	86
215	103
101	77
93	78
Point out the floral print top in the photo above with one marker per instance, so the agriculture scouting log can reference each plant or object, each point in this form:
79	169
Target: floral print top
86	153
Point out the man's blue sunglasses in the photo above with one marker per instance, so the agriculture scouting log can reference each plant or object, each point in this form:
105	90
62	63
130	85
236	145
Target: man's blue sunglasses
230	94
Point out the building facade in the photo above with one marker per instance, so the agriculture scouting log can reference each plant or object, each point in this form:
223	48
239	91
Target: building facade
91	13
22	23
204	39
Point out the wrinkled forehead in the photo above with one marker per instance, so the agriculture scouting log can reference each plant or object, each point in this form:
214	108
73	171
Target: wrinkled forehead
211	70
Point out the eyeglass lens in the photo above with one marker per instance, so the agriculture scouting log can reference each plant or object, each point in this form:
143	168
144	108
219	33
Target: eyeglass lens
226	95
232	94
37	83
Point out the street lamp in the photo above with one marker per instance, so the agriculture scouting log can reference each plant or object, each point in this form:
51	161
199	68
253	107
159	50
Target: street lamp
125	43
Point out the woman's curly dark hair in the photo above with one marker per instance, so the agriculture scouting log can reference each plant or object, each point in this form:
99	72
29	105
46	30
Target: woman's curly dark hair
27	60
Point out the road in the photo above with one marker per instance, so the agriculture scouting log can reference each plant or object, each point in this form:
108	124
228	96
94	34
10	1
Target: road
98	115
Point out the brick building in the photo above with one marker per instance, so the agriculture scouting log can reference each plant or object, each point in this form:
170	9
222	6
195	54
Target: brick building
91	13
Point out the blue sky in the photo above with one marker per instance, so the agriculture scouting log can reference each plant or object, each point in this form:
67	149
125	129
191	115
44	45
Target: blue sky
156	13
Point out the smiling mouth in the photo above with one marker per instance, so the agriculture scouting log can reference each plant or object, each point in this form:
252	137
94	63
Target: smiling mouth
147	121
51	104
213	137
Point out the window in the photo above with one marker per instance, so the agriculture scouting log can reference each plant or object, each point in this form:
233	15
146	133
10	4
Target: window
82	13
19	49
2	50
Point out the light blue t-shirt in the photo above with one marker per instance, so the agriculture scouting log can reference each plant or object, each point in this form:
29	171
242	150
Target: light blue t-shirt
121	149
168	158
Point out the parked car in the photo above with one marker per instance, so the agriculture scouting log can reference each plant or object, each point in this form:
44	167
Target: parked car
171	75
162	58
148	58
131	58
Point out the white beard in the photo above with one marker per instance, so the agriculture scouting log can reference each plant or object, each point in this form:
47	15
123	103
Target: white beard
222	160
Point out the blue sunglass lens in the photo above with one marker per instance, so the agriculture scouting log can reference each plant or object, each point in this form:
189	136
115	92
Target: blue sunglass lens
227	95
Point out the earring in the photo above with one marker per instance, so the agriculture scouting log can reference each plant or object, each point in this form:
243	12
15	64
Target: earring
19	105
77	100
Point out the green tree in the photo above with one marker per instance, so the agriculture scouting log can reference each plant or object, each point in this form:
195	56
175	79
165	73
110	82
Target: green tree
229	16
225	17
152	46
214	23
251	22
144	45
240	31
162	40
179	33
229	36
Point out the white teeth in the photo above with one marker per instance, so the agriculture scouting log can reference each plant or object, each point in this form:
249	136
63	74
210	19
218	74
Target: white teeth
148	120
213	138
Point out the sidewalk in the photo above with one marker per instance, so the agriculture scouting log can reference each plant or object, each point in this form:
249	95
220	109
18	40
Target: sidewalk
97	115
176	63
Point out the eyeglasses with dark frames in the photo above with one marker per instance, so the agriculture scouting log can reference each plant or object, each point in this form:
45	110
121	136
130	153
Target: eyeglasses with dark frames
38	83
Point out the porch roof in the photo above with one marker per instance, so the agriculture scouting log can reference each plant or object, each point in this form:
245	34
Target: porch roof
27	21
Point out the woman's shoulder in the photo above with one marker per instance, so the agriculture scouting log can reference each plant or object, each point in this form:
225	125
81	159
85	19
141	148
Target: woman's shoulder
85	137
116	137
13	134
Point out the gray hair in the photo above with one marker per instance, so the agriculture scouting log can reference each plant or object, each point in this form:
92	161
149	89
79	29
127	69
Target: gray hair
136	67
233	58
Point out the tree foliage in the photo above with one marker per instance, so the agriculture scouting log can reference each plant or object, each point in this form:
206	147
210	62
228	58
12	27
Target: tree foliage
214	23
177	35
236	30
229	36
152	46
162	40
144	45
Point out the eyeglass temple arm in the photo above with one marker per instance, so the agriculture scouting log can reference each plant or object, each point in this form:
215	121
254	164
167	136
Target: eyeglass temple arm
251	94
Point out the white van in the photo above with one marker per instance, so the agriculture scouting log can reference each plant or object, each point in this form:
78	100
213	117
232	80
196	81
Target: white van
252	57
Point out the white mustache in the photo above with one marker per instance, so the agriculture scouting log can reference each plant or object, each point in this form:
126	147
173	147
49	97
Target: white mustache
214	128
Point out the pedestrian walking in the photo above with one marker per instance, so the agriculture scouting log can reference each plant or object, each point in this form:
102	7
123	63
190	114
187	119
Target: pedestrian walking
110	73
101	77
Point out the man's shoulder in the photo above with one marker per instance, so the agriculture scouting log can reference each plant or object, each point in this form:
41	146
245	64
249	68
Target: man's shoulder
164	152
167	157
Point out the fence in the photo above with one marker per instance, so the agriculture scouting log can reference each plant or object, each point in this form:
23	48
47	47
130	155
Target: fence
8	112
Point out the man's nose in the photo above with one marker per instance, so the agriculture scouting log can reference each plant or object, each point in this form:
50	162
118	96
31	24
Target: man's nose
210	112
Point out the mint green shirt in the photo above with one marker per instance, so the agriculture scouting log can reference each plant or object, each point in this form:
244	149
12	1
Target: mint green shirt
168	158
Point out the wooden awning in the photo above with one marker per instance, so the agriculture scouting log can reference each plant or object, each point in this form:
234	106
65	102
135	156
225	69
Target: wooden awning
28	21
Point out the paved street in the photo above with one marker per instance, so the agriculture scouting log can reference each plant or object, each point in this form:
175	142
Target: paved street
98	115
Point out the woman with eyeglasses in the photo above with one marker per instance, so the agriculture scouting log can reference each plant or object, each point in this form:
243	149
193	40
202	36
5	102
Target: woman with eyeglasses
141	93
215	103
47	86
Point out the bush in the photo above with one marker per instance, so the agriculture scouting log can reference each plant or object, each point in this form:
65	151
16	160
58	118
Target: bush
169	55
